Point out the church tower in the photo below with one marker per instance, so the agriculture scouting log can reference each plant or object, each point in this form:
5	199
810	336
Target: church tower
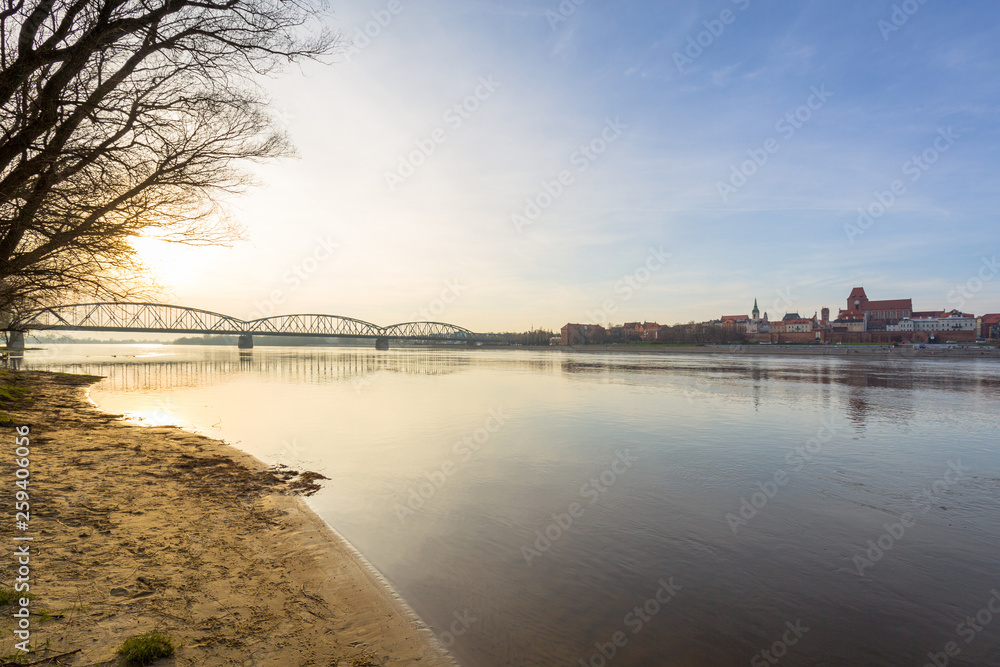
753	326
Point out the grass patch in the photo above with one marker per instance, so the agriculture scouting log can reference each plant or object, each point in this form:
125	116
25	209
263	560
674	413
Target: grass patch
9	595
144	649
10	393
44	616
74	379
13	393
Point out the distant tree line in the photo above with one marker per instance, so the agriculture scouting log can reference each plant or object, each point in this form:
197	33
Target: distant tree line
699	334
536	337
275	341
53	339
680	334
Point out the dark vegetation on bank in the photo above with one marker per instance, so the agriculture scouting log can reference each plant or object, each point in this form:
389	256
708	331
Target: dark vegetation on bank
680	334
536	337
14	393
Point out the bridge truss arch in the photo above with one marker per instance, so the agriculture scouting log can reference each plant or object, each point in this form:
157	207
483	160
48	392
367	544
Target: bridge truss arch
313	325
427	331
164	318
138	317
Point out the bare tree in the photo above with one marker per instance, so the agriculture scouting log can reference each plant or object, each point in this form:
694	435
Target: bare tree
122	118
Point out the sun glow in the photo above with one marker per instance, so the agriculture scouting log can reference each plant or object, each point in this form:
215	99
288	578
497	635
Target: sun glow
174	266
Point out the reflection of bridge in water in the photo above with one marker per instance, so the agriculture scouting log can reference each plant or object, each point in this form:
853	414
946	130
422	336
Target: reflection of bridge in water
152	373
358	367
162	318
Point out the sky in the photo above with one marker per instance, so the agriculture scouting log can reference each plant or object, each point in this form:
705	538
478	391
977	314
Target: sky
528	163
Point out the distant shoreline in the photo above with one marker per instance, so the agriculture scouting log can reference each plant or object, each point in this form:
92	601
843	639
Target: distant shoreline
885	351
852	351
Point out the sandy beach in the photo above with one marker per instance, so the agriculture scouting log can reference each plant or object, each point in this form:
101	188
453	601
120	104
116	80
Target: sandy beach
139	529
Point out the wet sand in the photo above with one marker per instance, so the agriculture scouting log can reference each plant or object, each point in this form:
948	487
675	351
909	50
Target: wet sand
139	529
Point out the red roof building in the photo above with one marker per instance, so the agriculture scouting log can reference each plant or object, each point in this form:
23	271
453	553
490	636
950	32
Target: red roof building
880	313
582	334
643	330
798	325
989	326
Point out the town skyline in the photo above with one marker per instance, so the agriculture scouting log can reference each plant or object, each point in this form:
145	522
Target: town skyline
861	320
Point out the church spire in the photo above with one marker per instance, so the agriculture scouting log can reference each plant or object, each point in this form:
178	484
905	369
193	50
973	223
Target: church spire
756	310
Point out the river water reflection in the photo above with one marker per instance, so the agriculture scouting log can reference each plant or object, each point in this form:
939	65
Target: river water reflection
560	508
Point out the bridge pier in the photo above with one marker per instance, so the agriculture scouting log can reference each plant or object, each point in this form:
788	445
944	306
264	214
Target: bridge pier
245	342
15	340
381	343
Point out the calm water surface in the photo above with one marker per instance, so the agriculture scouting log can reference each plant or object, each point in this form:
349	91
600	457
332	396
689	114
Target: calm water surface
556	508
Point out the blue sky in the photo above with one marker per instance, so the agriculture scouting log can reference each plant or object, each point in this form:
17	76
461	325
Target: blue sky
817	107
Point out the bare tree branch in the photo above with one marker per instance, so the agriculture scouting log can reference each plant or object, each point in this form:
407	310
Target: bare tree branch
125	118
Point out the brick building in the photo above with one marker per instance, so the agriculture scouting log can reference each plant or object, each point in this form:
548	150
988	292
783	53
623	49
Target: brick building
641	330
877	315
989	326
582	334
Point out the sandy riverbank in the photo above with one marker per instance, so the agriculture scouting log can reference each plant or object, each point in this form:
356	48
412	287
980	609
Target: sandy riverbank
139	529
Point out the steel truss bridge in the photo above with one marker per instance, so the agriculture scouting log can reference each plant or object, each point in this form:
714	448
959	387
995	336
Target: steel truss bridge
162	318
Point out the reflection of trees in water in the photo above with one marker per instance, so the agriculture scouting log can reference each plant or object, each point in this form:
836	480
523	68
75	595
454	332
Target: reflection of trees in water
302	367
887	390
935	375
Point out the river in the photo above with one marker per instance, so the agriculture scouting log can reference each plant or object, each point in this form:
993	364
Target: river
565	508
